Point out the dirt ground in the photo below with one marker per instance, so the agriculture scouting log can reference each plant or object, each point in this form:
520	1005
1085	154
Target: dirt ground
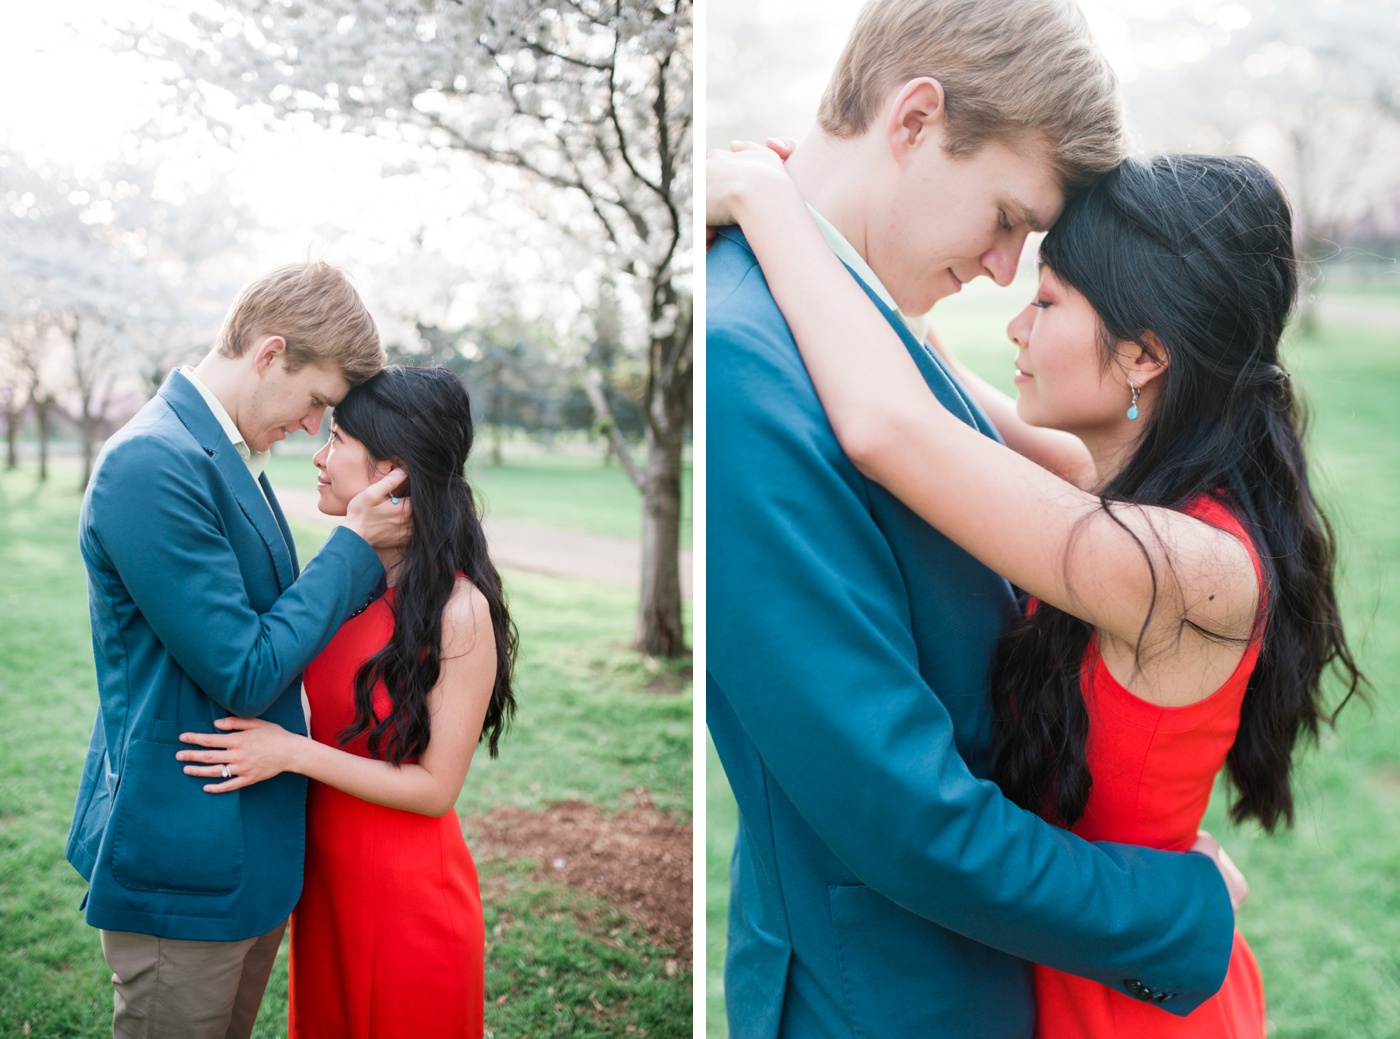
638	860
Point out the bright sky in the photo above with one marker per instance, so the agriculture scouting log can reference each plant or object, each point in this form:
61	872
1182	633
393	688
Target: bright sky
67	92
56	90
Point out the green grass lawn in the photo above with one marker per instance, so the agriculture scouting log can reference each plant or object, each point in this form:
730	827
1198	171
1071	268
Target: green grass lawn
594	722
558	489
1323	915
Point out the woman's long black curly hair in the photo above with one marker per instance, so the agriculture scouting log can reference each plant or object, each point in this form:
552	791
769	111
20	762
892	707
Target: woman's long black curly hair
1192	254
421	420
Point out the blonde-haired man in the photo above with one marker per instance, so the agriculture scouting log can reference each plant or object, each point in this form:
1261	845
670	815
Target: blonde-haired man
881	886
199	611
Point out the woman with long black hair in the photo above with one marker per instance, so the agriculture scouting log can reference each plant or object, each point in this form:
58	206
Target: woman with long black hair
1152	499
387	938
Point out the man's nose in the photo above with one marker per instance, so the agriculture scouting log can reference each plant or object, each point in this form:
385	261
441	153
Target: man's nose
1001	260
312	421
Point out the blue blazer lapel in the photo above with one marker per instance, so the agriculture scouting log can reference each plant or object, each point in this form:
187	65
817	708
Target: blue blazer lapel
947	389
263	513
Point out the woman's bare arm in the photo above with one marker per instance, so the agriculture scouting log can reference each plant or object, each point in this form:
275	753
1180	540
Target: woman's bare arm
1038	530
256	750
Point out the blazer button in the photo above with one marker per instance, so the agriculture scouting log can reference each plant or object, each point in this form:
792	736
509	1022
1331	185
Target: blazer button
1138	990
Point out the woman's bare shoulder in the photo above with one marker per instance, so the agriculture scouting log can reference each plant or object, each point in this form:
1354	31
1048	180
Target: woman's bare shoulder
465	616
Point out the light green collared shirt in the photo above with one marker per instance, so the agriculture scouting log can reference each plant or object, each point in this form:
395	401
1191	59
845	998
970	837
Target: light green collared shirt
255	461
846	252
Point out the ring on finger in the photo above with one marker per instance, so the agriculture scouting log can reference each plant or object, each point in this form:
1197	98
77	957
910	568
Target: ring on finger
225	773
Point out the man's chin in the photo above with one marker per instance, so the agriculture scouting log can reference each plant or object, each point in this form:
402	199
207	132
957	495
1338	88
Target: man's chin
924	301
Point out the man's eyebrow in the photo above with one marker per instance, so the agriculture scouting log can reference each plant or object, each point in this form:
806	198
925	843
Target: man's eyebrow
1024	214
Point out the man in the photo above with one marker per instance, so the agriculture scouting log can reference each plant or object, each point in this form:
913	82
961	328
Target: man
880	885
198	612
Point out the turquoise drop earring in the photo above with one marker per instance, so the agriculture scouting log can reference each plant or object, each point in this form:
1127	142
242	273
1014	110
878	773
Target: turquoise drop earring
1132	408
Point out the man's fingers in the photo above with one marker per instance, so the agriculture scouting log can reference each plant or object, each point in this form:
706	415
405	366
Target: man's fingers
383	488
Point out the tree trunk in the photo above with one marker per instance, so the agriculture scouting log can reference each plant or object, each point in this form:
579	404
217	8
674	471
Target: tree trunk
41	420
12	419
660	631
89	434
1305	239
669	396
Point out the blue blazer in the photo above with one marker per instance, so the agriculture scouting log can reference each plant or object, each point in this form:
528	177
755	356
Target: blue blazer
197	612
881	885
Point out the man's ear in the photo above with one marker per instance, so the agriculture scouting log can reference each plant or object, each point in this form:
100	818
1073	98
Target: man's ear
1144	365
916	117
268	349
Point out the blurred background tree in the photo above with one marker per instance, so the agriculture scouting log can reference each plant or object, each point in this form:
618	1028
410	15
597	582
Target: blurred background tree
586	103
508	181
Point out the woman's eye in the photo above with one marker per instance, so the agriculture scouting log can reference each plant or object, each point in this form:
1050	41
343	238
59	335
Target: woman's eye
1041	303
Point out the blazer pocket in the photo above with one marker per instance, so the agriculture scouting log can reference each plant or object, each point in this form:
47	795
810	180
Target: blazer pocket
168	834
903	975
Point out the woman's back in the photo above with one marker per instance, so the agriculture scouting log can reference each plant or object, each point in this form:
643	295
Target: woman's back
1153	771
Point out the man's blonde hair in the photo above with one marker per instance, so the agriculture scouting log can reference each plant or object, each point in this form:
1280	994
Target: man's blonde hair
1011	70
316	310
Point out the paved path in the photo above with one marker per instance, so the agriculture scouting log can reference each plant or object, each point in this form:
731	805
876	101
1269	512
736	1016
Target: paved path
1384	317
555	551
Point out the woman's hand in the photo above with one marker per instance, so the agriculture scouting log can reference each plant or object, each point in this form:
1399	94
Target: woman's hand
743	177
252	749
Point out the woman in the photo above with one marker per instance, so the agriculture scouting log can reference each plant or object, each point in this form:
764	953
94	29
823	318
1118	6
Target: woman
387	938
1158	511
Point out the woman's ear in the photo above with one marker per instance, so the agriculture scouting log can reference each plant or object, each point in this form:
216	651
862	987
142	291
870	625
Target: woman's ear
399	463
1144	363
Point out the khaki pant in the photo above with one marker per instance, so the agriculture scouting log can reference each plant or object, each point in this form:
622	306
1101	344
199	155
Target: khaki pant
168	988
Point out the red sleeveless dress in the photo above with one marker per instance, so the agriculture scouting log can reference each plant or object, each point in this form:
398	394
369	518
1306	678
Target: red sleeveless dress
387	940
1153	770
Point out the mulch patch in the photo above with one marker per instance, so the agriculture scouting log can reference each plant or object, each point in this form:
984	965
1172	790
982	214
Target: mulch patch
638	860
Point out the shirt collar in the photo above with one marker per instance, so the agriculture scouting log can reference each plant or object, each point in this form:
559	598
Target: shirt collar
255	461
854	260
